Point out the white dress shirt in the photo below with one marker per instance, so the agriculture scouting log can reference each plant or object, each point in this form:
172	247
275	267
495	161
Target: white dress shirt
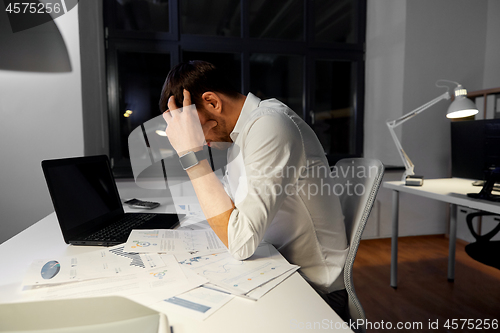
278	178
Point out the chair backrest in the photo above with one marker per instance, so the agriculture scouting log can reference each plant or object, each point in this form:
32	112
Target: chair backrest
360	179
484	249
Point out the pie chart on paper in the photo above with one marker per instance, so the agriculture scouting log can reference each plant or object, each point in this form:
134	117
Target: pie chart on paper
50	269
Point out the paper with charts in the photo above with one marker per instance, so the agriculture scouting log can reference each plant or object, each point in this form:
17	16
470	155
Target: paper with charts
144	284
106	262
238	277
198	303
174	241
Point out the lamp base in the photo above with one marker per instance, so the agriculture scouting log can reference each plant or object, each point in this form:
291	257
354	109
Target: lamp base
414	180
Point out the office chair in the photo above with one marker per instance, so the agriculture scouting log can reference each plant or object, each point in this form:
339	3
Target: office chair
484	249
357	174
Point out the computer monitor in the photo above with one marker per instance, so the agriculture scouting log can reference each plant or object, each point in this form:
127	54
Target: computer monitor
475	147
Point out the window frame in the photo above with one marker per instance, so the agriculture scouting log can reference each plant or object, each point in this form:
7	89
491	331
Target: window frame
174	42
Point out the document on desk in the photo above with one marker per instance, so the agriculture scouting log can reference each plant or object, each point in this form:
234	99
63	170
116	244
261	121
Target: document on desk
106	262
189	209
260	291
239	277
201	242
257	293
146	287
198	303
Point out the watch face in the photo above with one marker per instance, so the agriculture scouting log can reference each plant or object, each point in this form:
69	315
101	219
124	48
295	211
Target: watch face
188	160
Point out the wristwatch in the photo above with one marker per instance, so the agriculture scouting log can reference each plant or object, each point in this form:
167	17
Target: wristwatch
191	158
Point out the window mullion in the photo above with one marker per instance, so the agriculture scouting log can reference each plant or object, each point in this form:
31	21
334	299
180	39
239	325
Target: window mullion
175	19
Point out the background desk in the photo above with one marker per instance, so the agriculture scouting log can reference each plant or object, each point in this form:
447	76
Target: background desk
450	190
291	303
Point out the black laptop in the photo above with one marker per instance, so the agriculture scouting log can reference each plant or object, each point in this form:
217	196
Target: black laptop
88	206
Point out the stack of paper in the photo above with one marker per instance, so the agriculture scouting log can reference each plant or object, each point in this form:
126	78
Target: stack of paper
198	249
179	242
228	277
146	278
204	253
241	277
187	270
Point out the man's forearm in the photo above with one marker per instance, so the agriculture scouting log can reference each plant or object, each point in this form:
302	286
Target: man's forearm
215	203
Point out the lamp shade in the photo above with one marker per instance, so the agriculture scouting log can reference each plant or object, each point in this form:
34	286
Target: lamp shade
461	106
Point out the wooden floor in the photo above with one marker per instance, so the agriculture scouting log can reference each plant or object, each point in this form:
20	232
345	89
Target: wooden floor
424	294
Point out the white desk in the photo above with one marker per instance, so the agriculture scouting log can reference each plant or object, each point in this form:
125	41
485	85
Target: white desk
450	190
284	309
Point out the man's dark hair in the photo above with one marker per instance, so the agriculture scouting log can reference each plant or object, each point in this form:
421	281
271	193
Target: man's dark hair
197	77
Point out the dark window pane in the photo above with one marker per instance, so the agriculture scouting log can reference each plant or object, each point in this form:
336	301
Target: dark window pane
229	63
141	78
204	17
335	21
266	52
278	76
333	115
278	19
142	15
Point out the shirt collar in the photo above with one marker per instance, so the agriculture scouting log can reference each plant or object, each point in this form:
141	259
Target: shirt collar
251	103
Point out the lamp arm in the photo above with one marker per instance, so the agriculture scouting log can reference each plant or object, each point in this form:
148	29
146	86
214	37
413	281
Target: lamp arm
391	124
409	115
406	160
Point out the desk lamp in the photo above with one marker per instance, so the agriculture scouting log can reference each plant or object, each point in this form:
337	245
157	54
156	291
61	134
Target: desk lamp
459	108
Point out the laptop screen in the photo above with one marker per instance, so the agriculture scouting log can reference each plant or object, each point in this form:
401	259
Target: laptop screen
82	190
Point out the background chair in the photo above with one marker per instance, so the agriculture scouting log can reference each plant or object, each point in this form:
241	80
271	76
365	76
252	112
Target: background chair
484	249
362	176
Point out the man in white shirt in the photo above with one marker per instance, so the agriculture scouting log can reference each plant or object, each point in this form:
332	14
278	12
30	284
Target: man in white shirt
278	187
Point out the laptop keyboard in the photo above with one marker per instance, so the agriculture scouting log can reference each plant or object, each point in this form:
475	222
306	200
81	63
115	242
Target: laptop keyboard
120	228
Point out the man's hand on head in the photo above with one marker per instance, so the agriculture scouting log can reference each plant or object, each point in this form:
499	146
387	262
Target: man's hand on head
184	129
186	133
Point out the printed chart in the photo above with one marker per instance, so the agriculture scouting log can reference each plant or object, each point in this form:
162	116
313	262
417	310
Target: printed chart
236	276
